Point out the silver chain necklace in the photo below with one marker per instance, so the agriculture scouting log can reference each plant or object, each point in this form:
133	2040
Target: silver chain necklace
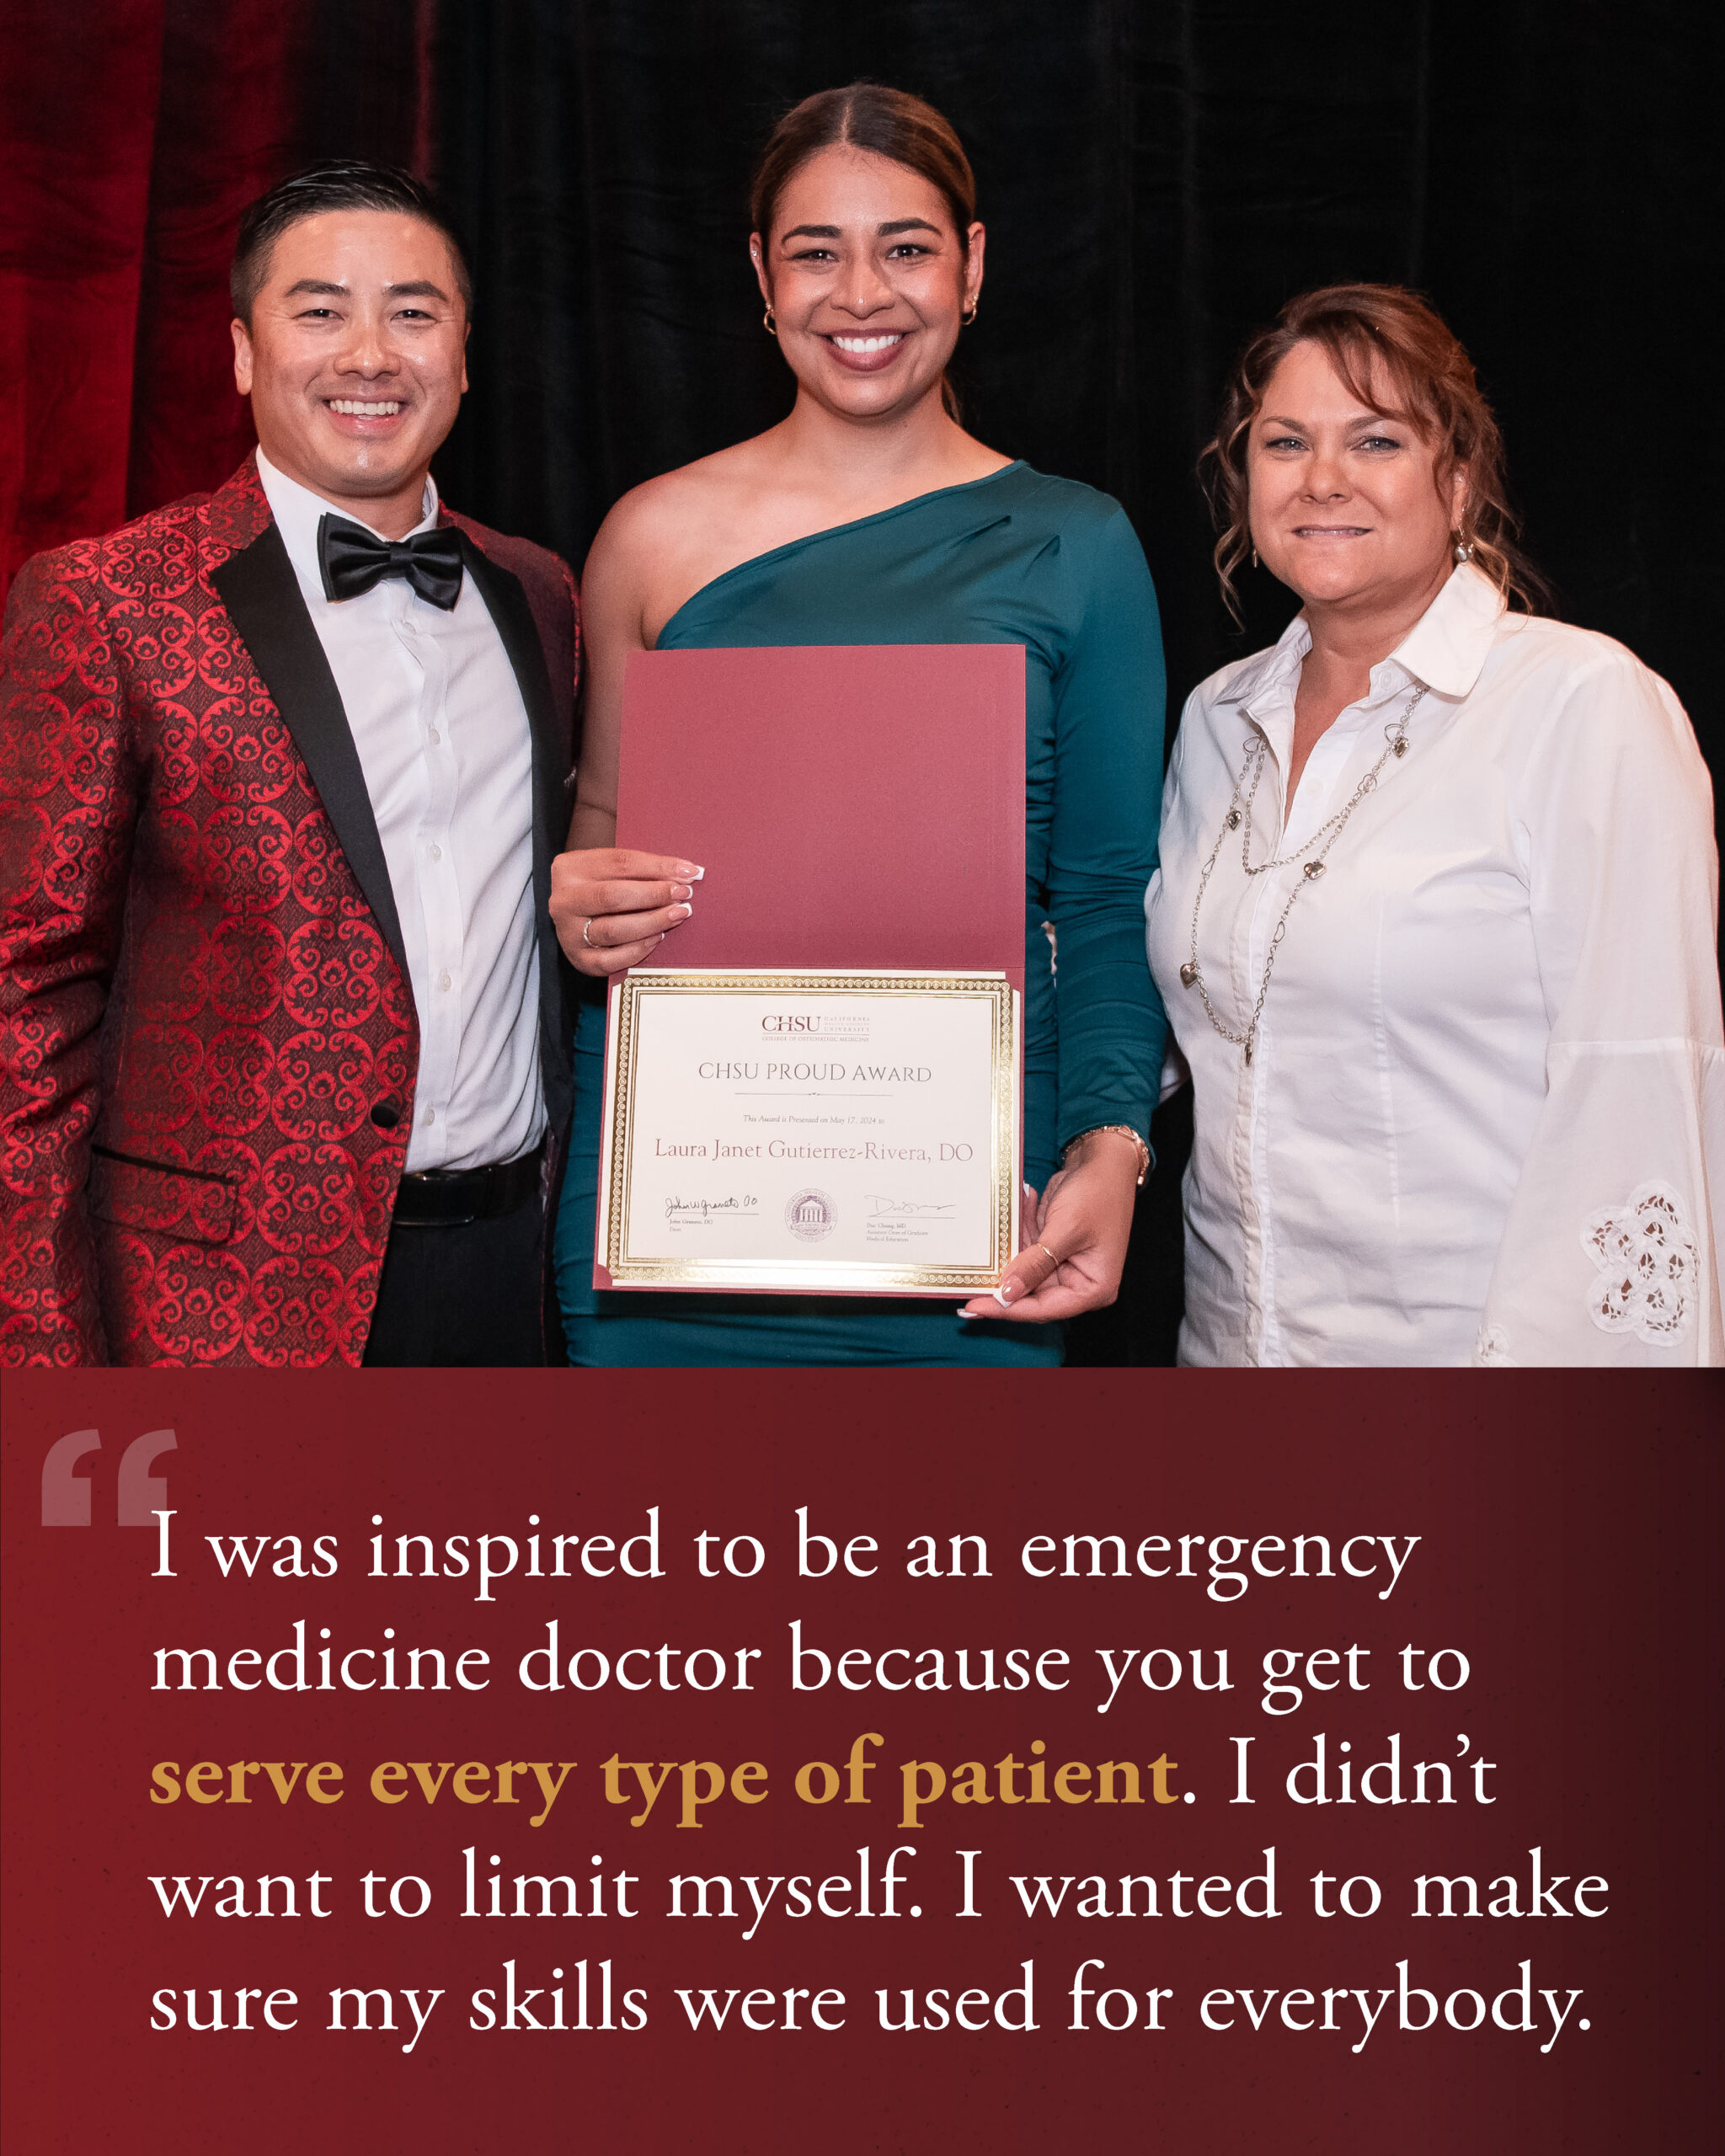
1312	862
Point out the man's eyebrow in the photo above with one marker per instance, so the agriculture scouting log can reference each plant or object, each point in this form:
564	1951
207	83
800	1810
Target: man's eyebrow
414	288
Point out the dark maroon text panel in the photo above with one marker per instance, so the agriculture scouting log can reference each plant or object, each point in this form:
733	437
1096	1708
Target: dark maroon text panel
844	1762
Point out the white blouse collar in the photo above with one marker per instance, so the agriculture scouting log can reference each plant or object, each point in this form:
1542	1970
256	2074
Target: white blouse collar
1447	646
1445	649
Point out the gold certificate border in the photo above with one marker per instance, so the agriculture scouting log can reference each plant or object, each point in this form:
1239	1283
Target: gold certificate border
807	1275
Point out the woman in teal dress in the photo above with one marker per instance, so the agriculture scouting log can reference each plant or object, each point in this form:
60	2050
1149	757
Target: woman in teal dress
870	516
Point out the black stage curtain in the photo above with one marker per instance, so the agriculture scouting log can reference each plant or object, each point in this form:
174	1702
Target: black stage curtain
1157	176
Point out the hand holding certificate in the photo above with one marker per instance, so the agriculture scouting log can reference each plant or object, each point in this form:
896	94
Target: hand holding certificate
827	1096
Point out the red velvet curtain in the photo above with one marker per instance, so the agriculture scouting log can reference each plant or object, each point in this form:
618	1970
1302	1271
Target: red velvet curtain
136	130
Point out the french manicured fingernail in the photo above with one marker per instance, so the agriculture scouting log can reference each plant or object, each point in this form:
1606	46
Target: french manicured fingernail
1003	1294
689	873
681	891
681	913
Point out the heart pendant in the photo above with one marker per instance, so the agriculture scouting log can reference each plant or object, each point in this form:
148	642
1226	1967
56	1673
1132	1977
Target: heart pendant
1314	869
1188	973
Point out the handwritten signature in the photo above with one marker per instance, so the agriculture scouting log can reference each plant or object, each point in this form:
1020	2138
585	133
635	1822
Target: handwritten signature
700	1208
903	1207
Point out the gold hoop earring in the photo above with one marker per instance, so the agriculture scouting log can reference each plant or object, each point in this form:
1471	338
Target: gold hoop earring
771	320
968	316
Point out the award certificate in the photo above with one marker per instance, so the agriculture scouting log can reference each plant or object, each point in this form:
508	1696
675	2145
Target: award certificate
810	1132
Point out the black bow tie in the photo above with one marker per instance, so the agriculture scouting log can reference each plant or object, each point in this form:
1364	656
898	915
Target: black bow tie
352	560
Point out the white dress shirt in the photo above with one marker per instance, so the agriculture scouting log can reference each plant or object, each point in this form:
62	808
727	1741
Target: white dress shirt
443	739
1485	1115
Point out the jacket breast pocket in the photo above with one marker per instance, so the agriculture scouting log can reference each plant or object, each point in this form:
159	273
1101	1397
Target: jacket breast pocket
188	1204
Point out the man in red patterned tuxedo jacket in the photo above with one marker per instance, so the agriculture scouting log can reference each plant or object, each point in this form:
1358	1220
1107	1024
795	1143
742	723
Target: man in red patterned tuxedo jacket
283	1052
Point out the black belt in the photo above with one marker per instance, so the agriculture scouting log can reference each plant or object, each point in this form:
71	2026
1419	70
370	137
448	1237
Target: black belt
452	1198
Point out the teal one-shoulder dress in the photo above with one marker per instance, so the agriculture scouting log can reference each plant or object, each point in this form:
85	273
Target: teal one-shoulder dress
1016	558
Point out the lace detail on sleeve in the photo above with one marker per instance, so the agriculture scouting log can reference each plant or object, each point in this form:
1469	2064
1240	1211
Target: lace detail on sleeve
1491	1351
1645	1252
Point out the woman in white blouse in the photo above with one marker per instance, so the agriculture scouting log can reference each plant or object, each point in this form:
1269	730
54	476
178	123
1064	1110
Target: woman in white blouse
1435	921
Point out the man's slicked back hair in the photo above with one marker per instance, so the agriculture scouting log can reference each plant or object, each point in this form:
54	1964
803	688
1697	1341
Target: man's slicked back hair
337	184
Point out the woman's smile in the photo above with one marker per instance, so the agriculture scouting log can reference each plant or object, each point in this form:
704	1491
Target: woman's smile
864	354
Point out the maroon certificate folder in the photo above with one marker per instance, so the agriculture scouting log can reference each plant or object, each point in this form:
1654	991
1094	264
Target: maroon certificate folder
853	805
857	810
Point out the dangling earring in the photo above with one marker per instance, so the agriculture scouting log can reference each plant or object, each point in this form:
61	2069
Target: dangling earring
1464	547
1254	557
968	316
771	322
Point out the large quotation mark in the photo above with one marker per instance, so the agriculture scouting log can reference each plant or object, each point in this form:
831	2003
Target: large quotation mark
65	1496
140	1490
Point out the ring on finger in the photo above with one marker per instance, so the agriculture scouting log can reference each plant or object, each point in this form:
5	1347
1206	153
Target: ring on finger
586	937
1056	1261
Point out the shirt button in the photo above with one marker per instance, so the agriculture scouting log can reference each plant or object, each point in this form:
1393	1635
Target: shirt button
443	981
437	853
435	735
431	1115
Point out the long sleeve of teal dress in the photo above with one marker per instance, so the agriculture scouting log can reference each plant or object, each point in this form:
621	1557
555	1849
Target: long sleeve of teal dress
1017	557
1091	852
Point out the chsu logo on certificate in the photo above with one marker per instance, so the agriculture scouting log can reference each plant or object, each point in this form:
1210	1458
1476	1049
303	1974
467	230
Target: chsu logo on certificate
803	1132
810	1215
816	1025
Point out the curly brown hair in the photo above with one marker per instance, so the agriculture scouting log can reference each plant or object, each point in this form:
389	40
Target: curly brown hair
1381	331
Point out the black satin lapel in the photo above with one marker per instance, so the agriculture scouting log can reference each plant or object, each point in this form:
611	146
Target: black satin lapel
507	603
262	595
